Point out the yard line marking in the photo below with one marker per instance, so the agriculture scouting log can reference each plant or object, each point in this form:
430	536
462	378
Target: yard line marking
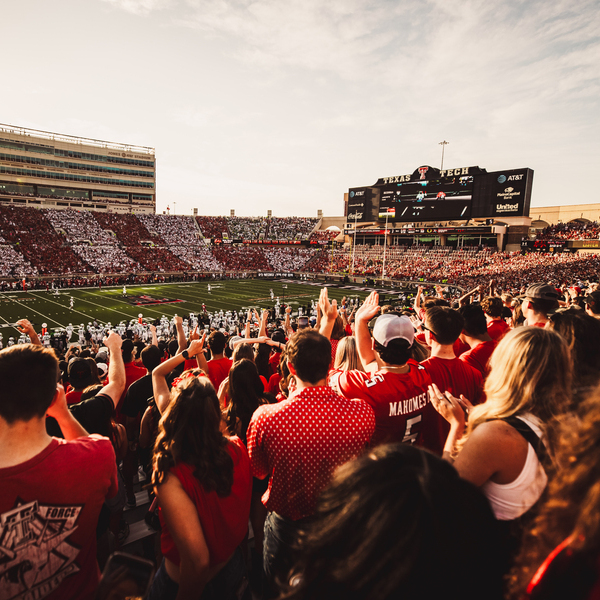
36	311
64	306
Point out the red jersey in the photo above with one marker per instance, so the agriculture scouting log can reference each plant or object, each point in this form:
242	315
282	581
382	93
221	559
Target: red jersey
73	397
49	510
479	356
400	402
218	370
497	329
224	521
300	442
457	377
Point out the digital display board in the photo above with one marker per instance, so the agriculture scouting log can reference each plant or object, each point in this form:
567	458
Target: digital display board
360	205
436	198
430	194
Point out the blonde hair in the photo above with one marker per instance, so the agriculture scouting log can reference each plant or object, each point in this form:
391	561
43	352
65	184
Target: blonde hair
346	355
530	373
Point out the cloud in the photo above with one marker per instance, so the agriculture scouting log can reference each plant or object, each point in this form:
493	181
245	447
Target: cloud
141	7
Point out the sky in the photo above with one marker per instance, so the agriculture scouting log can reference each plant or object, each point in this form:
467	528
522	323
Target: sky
283	105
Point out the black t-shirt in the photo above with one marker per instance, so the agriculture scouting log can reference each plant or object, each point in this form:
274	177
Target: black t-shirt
93	414
136	399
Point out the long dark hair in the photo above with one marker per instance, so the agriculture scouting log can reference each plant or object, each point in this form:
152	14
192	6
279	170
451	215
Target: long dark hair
189	432
246	394
398	522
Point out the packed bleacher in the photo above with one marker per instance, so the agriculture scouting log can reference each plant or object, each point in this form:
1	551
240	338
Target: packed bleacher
324	235
573	230
311	453
247	228
66	242
213	227
33	236
290	228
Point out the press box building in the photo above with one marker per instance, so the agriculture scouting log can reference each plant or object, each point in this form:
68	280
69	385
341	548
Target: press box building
50	170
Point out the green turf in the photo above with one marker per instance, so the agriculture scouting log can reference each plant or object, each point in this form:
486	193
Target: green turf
108	304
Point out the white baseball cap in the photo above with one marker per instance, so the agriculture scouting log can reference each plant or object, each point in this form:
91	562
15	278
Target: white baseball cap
390	327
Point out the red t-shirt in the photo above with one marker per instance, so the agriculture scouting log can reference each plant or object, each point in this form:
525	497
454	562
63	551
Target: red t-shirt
300	442
400	402
224	521
73	397
457	377
497	329
479	356
49	509
218	369
273	385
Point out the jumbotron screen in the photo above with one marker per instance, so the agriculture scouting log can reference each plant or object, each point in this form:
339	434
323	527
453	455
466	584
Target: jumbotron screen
427	199
430	194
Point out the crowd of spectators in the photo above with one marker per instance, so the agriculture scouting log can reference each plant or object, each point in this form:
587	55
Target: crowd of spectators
241	258
290	228
213	227
323	235
198	256
455	437
32	235
175	230
129	230
289	260
573	230
464	267
247	228
13	264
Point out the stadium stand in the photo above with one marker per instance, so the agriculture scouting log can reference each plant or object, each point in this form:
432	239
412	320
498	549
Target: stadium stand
32	234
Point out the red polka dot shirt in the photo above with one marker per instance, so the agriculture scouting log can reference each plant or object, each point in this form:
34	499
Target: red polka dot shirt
301	441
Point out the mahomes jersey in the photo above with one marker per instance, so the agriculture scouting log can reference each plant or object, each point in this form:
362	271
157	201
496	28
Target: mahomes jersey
402	409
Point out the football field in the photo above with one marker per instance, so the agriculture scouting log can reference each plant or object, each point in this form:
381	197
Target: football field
153	301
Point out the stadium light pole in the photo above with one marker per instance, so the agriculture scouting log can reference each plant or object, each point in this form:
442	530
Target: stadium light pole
387	214
354	243
443	145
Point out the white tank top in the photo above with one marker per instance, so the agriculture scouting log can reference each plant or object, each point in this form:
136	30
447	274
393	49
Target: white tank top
511	500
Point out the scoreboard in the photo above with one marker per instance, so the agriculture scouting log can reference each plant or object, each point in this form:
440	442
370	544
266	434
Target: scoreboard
430	194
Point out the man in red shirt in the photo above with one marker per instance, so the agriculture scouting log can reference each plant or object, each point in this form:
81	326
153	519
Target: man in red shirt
299	442
493	308
476	335
442	327
395	385
52	489
219	365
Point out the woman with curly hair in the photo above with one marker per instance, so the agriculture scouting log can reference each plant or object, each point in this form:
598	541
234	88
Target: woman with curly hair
560	556
503	446
203	483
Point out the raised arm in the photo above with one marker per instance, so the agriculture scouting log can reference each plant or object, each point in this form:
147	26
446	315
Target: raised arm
153	334
417	302
264	319
116	369
162	393
330	313
368	310
181	339
69	425
24	326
